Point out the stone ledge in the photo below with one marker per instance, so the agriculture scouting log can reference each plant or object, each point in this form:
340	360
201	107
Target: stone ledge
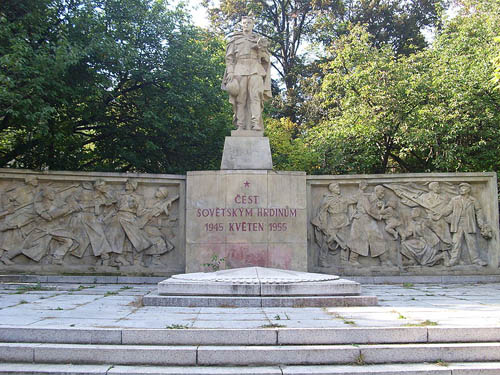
154	299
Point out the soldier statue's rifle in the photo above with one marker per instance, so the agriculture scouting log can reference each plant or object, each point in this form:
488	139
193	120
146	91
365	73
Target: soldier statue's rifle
418	202
156	211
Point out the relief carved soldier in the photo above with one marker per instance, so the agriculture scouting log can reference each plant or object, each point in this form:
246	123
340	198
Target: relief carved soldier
247	78
51	227
126	225
435	203
88	224
366	238
465	215
156	220
420	244
18	218
331	224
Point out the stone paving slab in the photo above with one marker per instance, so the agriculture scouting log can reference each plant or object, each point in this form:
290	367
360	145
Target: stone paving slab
268	355
390	369
120	306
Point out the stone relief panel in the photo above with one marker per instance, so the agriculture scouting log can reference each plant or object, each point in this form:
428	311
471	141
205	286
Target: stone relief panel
92	222
403	224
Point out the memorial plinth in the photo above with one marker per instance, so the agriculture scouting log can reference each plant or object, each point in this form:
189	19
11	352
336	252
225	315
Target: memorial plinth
246	149
246	217
258	287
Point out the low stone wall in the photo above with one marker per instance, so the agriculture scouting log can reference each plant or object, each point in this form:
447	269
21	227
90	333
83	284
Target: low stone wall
103	223
411	224
158	225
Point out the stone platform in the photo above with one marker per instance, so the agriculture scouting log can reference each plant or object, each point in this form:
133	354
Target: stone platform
417	329
258	286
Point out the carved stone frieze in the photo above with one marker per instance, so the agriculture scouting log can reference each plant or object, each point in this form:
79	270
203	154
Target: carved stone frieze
88	222
397	224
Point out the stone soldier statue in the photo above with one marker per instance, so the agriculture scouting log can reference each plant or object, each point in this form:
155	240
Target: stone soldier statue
247	78
465	215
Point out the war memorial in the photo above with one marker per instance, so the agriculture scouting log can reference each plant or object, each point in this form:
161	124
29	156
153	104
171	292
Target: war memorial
245	237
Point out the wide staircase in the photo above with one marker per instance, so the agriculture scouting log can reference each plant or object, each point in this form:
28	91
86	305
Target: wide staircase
381	351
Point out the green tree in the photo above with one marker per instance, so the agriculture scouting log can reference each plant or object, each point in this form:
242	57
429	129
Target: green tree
496	77
108	85
397	23
434	110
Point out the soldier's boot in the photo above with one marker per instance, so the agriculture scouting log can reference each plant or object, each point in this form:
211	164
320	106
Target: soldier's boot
6	260
353	261
479	262
121	260
446	259
385	260
155	261
105	259
57	260
344	256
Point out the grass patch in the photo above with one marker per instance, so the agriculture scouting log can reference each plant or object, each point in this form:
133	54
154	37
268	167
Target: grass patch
425	323
107	294
360	360
177	326
346	321
29	288
126	287
138	302
273	325
408	285
82	287
442	363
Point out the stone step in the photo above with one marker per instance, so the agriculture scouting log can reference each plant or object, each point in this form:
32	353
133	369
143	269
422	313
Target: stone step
215	355
154	299
268	336
473	368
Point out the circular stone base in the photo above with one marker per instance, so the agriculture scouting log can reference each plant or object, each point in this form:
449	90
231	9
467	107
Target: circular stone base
255	275
257	281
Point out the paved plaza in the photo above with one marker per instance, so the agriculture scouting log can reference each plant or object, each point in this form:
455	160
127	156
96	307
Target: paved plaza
120	306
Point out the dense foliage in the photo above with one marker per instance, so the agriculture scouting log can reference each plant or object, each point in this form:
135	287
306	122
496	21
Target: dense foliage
371	110
132	85
123	85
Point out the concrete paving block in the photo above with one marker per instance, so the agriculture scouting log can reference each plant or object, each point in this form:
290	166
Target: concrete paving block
406	369
173	287
430	353
360	301
475	368
51	369
70	279
269	355
106	279
116	354
325	288
17	352
151	370
60	335
22	279
331	336
319	301
153	299
139	280
464	334
199	337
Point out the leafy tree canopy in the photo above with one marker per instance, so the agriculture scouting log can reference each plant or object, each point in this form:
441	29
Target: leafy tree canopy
123	85
374	111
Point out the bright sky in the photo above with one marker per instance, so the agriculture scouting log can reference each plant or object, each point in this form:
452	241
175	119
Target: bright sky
199	13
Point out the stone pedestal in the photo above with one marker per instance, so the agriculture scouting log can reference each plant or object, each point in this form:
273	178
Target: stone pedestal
244	150
247	217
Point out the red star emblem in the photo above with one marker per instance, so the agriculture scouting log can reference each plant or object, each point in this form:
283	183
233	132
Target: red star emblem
247	184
